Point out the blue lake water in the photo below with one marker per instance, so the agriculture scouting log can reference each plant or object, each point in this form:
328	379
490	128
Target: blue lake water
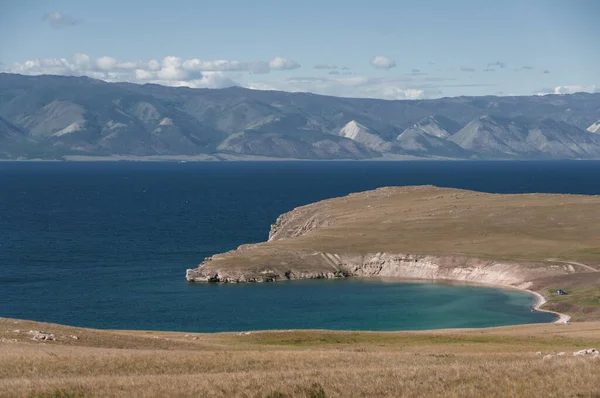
107	244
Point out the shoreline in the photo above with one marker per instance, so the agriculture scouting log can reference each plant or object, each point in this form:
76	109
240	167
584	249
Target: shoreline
541	300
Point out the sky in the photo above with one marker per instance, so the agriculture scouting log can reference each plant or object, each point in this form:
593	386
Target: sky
390	49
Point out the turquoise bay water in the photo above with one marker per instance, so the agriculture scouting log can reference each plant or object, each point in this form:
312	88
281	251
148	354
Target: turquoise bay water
107	244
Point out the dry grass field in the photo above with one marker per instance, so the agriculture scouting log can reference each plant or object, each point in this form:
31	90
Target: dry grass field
495	362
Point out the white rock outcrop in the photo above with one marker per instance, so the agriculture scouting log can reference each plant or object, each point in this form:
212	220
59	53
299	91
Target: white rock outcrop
41	336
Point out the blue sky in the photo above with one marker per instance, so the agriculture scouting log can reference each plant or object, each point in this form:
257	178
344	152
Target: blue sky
382	49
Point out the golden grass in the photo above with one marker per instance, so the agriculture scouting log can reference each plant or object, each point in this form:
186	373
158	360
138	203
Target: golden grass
478	362
444	221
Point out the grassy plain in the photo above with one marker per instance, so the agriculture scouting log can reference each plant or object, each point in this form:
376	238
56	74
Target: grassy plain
455	363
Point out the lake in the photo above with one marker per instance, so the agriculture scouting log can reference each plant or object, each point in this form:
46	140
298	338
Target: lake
106	245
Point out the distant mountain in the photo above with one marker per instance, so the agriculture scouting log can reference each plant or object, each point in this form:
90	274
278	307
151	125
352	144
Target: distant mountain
429	137
58	117
362	135
556	139
494	137
9	131
419	143
438	126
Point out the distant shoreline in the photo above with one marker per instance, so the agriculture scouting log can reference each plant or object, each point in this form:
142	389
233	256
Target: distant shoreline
233	158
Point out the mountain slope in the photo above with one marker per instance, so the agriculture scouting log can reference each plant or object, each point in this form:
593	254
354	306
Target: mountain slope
419	143
437	126
362	135
56	116
9	131
494	137
561	140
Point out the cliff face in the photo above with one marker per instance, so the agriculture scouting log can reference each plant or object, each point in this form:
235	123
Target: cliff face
405	266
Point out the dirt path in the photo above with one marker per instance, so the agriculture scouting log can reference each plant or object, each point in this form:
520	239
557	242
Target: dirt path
587	267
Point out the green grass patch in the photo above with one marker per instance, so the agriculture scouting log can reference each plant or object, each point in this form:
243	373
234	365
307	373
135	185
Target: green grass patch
586	297
58	393
584	254
312	339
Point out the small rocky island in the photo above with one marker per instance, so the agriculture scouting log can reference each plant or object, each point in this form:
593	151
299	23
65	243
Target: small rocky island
527	241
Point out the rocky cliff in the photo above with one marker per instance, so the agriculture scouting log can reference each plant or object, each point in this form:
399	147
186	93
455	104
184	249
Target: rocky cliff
402	266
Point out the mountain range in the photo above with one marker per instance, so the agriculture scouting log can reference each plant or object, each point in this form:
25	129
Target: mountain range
60	117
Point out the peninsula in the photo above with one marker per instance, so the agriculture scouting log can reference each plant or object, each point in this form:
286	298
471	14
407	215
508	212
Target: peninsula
538	242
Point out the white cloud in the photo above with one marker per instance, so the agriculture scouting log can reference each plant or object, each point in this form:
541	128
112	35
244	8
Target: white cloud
59	20
572	89
214	80
198	73
467	69
82	60
219	65
354	87
106	63
153	65
171	70
381	62
279	63
141	74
